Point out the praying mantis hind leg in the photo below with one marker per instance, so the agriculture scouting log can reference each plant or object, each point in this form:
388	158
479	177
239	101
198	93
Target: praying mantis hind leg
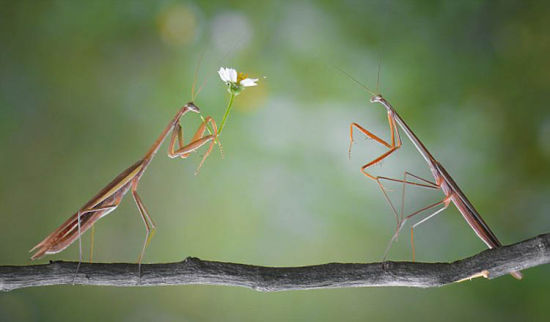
426	184
423	183
78	216
399	215
79	246
92	234
445	202
150	226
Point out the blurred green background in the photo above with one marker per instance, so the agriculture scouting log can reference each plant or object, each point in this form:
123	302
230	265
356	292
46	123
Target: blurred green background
87	86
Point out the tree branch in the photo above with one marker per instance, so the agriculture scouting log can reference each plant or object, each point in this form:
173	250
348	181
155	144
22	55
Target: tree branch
490	264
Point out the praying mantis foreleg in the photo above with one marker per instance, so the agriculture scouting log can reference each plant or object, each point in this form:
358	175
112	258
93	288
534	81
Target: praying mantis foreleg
198	140
392	147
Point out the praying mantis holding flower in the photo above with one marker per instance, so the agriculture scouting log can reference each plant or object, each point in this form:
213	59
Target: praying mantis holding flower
108	199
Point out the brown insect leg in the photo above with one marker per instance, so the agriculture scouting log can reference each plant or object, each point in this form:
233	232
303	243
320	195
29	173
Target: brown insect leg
149	224
445	201
395	144
197	141
92	234
79	214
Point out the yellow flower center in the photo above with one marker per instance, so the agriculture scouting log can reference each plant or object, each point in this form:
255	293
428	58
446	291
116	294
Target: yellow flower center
241	76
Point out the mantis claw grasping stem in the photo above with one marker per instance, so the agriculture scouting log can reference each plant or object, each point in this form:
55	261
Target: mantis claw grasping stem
111	195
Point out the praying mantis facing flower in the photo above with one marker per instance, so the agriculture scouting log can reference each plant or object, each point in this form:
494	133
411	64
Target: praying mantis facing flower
111	195
453	194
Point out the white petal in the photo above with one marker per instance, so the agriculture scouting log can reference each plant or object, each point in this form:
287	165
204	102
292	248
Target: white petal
223	74
232	74
247	82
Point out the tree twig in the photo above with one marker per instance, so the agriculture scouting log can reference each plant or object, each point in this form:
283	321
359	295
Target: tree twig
490	264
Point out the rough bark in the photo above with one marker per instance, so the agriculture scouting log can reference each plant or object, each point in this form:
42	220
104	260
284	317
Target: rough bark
489	263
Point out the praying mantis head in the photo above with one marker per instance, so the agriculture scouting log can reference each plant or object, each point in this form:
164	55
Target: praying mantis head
192	107
376	98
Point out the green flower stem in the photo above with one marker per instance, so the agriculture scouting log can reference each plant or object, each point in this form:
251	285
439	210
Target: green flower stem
229	105
210	131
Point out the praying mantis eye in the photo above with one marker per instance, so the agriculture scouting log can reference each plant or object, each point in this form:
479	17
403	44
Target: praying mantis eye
192	107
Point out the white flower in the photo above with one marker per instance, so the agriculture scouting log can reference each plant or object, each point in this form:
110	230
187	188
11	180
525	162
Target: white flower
228	75
247	82
236	81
